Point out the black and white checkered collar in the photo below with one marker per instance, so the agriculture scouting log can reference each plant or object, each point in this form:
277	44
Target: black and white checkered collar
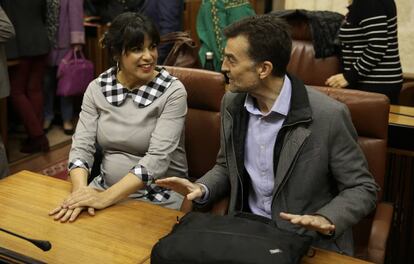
115	93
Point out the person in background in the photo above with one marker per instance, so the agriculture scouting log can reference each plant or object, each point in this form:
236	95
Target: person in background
30	47
369	44
6	33
135	112
166	14
212	18
288	152
66	33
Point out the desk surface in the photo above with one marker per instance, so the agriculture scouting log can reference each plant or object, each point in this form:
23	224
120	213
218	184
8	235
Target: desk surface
401	115
124	233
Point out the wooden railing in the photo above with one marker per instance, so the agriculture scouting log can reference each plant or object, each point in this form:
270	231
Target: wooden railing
399	185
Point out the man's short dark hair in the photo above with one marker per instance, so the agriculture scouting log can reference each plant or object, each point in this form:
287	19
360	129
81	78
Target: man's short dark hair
127	31
269	40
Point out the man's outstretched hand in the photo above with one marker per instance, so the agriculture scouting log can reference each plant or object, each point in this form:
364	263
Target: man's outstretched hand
311	222
182	186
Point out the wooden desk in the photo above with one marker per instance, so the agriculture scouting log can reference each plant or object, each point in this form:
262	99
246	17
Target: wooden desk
121	234
400	129
124	233
401	115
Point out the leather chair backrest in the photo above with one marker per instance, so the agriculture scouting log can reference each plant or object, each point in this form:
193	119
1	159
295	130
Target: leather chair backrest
406	96
303	64
202	129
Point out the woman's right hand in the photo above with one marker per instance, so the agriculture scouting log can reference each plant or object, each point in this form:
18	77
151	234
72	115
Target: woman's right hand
65	214
182	186
79	178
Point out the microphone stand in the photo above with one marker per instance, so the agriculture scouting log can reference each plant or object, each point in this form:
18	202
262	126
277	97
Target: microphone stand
42	244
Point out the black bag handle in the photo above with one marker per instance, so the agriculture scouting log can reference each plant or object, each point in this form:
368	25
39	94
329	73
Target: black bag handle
254	217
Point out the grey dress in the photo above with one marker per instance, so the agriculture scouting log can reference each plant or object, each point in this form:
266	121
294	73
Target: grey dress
140	132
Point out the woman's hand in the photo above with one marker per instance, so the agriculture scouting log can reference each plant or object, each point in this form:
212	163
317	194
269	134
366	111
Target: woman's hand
337	81
85	196
64	214
79	177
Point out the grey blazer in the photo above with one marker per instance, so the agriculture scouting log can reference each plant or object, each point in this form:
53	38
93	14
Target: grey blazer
320	168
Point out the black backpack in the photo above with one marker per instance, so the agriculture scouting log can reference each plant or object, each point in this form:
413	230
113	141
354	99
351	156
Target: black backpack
240	238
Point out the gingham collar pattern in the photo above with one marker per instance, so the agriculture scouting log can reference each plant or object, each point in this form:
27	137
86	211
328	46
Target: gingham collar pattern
115	93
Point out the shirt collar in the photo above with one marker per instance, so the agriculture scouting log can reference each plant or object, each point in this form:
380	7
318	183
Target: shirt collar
280	106
115	93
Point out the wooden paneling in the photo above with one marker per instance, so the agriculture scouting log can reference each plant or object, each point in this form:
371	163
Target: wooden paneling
190	17
399	185
93	48
400	190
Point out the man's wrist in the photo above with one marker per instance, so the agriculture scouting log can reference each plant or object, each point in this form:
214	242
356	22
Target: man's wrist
204	194
203	191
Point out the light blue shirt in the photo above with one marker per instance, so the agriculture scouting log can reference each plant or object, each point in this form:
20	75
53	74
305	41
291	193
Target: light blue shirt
261	137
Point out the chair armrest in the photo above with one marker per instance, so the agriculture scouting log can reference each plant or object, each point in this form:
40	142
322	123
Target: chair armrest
406	96
380	230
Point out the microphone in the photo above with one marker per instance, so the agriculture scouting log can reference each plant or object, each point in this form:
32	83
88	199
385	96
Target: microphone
42	244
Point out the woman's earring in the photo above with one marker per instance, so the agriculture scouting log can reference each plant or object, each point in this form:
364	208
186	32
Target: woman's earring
117	67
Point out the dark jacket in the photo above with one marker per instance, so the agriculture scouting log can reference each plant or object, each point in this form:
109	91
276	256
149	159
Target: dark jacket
29	21
324	27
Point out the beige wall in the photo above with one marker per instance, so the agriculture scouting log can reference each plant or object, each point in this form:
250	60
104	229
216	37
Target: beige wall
405	10
332	5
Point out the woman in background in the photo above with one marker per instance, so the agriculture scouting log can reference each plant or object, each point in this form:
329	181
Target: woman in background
66	32
369	44
166	15
29	47
135	112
